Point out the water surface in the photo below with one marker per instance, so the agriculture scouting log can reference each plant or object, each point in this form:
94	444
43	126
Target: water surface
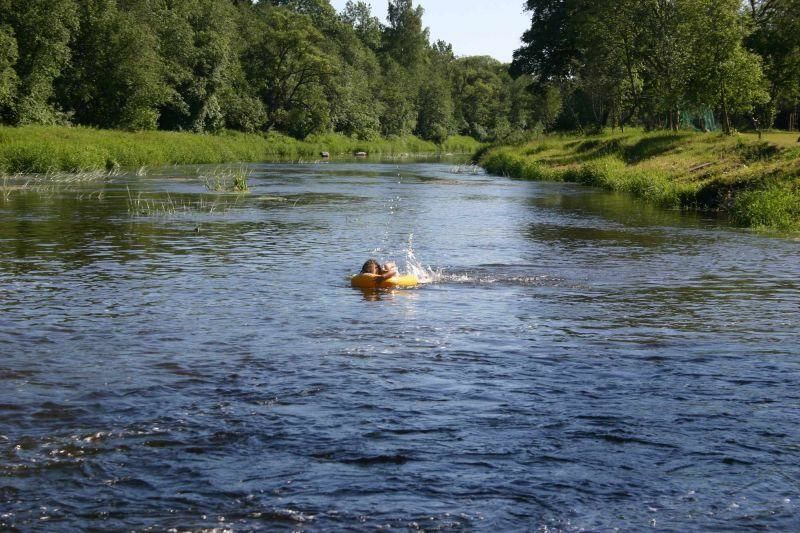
174	358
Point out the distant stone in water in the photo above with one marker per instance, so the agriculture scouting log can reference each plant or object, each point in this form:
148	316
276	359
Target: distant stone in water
361	154
324	154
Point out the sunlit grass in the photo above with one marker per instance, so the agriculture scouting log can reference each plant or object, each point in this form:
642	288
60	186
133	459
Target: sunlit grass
775	207
755	181
41	149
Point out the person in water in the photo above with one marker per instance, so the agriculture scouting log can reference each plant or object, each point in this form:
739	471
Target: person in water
382	272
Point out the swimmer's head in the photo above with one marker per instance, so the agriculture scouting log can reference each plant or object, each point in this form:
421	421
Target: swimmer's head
388	267
371	267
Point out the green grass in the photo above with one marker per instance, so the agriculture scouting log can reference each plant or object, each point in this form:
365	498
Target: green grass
227	180
42	149
756	182
774	207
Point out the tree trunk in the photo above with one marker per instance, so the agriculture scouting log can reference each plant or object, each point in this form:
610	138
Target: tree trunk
726	120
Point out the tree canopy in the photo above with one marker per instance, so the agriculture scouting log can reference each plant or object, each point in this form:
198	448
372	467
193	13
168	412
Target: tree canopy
299	67
294	66
664	63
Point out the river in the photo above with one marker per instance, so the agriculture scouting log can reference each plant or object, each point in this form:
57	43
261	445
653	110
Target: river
176	358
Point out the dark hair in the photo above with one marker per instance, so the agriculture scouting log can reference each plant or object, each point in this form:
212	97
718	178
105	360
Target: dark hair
371	267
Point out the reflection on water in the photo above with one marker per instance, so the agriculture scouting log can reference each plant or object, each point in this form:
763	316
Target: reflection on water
573	361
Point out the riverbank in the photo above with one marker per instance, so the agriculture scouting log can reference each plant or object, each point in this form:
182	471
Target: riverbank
41	149
756	183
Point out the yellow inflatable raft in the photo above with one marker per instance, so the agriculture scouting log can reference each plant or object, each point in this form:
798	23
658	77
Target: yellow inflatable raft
372	281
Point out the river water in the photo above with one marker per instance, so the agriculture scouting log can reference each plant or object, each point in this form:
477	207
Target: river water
175	358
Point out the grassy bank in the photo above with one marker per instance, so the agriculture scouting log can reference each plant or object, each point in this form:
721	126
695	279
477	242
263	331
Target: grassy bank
39	149
757	183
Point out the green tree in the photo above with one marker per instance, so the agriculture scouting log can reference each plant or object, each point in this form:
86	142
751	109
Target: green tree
398	98
355	110
615	59
289	69
529	109
353	91
368	27
8	77
435	112
479	94
777	40
435	99
723	73
610	44
195	39
405	40
116	81
320	11
610	59
43	31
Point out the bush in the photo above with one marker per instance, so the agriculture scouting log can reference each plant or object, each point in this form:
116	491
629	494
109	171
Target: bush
773	207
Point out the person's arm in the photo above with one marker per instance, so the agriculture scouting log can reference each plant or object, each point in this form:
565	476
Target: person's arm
388	275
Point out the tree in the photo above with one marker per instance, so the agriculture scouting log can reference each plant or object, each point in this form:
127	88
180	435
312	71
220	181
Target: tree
550	48
435	100
588	50
355	110
8	77
289	69
116	79
532	110
353	91
320	11
368	27
723	73
777	40
43	30
398	95
479	95
196	43
405	40
617	60
295	66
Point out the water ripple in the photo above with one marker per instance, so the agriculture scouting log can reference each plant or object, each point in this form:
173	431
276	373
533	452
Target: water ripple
572	362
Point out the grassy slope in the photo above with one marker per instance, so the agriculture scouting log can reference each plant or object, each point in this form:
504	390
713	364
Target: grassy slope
39	149
757	183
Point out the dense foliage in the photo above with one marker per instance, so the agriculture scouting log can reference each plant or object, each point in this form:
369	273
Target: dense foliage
666	63
291	66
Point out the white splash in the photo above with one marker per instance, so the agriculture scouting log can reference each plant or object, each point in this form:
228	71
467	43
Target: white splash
414	266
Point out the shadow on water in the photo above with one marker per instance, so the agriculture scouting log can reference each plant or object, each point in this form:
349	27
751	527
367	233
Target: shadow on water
619	207
378	295
582	236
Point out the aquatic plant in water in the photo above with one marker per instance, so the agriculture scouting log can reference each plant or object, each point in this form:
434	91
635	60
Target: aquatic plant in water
53	183
166	205
227	180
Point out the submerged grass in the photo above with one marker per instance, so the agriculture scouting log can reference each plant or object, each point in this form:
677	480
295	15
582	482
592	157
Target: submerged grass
160	205
227	180
41	149
54	183
756	182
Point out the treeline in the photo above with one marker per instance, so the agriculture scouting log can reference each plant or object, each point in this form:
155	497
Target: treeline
666	63
291	66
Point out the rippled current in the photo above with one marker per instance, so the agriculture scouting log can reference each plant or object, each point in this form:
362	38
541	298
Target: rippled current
175	358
